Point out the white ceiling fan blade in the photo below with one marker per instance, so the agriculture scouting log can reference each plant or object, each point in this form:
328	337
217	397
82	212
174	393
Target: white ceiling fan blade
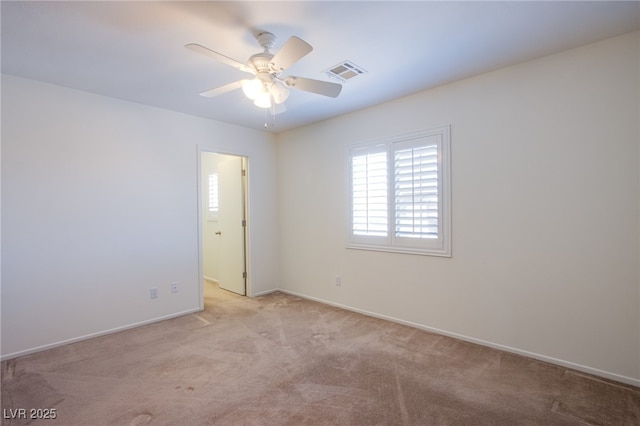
292	51
325	88
219	57
222	89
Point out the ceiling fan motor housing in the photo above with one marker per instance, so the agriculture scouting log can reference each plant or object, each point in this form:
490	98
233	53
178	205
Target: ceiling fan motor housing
261	62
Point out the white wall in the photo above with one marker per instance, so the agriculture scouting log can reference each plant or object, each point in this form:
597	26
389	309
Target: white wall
545	160
99	204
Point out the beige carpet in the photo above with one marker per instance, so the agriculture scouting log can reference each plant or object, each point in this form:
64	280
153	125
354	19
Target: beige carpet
281	360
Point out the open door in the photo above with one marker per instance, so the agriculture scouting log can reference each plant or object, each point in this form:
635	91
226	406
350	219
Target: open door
231	224
223	220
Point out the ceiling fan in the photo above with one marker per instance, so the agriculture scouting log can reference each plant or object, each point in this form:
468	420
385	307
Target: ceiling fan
268	88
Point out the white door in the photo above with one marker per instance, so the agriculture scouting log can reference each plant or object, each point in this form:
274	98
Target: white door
231	221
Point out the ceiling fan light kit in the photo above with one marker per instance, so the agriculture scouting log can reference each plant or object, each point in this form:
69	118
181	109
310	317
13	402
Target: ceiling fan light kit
268	88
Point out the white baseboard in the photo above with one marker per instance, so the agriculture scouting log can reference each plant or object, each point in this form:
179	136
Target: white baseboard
264	293
93	335
583	368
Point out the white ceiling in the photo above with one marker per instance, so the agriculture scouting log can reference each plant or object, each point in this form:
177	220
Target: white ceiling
135	50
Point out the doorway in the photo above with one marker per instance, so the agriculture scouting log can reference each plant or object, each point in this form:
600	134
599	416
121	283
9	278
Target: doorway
223	223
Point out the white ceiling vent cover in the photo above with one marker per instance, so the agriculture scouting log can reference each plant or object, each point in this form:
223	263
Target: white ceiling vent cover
345	70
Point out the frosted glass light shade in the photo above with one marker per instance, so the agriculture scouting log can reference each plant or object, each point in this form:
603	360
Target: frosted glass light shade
263	100
252	88
279	93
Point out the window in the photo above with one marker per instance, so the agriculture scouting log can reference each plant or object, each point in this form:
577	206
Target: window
399	194
212	197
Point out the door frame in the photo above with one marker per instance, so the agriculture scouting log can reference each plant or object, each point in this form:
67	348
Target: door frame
247	207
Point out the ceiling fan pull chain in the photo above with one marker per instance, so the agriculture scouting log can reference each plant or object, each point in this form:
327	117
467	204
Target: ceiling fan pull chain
273	117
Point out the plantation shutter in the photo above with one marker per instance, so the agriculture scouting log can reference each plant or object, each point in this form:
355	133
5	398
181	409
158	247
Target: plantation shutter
400	194
369	201
416	189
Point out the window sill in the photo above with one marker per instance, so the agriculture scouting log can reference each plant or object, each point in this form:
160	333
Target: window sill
401	250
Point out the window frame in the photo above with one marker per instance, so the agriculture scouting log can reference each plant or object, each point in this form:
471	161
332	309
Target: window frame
439	246
213	204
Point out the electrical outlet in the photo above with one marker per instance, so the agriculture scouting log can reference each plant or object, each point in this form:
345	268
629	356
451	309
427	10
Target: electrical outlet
338	280
174	287
153	293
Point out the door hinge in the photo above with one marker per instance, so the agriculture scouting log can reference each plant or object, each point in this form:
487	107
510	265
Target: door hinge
244	172
244	275
244	222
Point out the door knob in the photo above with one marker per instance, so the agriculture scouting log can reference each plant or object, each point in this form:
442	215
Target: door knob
218	233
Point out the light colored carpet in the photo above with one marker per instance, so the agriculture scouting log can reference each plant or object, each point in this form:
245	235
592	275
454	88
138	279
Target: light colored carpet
282	360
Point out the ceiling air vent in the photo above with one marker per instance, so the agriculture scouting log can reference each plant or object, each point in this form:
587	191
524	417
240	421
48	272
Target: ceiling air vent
345	70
